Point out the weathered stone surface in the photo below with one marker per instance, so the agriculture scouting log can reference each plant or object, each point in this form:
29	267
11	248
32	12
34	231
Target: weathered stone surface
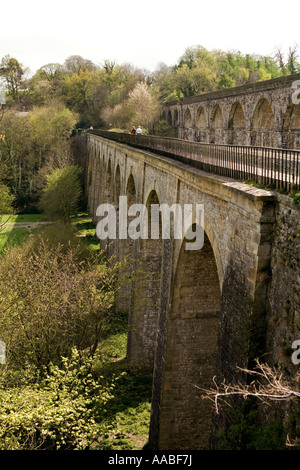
196	313
260	114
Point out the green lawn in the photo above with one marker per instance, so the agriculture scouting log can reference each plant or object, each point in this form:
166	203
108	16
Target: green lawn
86	228
13	235
17	234
128	412
23	218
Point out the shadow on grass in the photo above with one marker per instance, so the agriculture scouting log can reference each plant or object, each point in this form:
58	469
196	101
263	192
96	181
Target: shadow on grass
13	236
128	412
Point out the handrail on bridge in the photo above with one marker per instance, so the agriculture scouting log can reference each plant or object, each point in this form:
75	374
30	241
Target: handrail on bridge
275	168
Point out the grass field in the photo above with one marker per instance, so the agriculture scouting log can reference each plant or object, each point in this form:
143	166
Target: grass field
23	218
15	230
10	234
128	412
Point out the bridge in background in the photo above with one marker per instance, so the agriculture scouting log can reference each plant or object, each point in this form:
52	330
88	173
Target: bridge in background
261	114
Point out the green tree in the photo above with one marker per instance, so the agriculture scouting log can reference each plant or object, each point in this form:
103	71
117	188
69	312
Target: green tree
62	193
76	64
141	108
33	144
12	73
54	295
85	94
6	204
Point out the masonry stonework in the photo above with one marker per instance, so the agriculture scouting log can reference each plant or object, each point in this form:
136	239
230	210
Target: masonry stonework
258	114
192	314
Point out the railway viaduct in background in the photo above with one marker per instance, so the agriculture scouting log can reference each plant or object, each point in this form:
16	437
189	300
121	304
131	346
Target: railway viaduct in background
257	114
200	313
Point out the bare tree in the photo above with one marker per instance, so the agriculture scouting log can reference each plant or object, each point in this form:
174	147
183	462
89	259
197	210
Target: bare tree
292	59
268	385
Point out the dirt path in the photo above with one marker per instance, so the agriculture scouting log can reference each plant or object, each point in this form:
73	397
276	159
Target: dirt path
25	224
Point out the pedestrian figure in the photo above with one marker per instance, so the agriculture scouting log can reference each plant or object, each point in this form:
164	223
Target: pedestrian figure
139	130
133	130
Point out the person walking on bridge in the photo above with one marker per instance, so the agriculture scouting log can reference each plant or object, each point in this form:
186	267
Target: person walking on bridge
139	130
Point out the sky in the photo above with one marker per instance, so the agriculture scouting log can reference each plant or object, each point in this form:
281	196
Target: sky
143	33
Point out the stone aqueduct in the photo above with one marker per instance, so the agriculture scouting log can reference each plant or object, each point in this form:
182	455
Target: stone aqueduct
191	317
199	313
258	114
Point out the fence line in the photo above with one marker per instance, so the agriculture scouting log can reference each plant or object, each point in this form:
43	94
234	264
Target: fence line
273	167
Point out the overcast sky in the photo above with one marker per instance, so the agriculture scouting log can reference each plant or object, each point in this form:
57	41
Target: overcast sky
143	33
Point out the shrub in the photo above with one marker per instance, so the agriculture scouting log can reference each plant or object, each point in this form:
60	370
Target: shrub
62	412
52	297
62	193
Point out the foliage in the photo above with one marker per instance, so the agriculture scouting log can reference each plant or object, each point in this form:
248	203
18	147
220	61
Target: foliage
248	432
140	108
60	296
34	144
6	200
62	193
296	198
163	128
12	72
63	411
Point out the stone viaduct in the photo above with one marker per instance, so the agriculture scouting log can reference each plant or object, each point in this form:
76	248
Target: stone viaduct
258	114
193	314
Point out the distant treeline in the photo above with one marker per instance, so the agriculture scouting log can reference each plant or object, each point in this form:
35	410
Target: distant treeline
43	110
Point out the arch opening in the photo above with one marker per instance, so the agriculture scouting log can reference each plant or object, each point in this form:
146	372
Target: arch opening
127	249
291	127
191	351
217	126
263	124
144	320
201	125
236	125
188	122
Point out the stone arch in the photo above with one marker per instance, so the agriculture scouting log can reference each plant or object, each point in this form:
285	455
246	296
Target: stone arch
291	127
188	125
217	125
187	119
163	115
263	124
117	186
176	118
114	245
106	199
201	125
108	182
191	350
144	320
236	125
127	248
131	192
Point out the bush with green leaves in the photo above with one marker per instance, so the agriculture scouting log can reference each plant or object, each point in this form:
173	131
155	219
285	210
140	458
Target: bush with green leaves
53	297
6	202
63	411
62	194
